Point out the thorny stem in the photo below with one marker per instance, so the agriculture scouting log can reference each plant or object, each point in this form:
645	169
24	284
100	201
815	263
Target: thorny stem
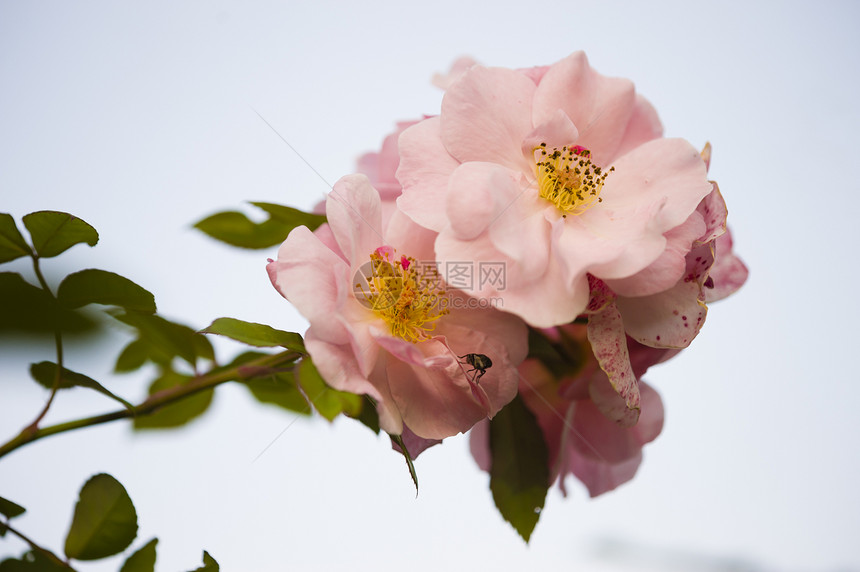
254	368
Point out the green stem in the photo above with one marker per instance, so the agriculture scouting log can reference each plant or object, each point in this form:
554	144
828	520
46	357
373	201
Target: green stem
47	553
159	399
58	342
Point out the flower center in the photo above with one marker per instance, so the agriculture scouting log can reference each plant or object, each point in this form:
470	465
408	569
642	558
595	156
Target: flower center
408	296
568	179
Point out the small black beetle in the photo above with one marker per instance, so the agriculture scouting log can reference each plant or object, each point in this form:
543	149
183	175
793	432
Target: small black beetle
480	364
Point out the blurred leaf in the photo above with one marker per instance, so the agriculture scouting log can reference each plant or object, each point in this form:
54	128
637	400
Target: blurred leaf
236	229
10	509
45	373
55	232
35	561
564	358
132	357
255	334
143	560
103	287
209	564
292	217
276	386
519	475
104	523
28	308
175	414
329	402
12	244
279	389
166	339
368	415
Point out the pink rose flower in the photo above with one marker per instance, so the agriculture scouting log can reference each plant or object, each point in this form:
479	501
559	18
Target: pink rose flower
580	439
664	305
559	173
381	325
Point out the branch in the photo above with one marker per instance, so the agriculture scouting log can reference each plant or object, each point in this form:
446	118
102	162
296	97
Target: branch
260	366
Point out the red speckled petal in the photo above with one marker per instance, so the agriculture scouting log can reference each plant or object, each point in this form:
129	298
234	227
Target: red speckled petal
609	344
671	319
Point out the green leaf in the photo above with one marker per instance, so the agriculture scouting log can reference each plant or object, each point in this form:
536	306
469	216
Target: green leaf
143	560
103	287
104	523
253	334
276	386
27	308
236	229
368	415
45	373
209	564
132	357
166	339
175	414
408	456
519	475
328	402
55	232
10	509
290	216
12	243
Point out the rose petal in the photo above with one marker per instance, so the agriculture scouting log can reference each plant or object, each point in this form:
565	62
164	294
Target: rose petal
460	66
312	278
644	125
664	272
354	215
609	344
671	319
600	477
654	189
728	272
425	166
599	106
713	211
486	114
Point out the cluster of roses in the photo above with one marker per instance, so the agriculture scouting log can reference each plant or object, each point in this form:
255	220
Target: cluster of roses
593	241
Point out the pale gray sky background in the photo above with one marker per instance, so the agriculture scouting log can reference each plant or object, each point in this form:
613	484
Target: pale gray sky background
140	118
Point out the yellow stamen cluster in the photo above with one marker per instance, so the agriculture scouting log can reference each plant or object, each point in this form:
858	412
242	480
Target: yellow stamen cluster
409	303
568	179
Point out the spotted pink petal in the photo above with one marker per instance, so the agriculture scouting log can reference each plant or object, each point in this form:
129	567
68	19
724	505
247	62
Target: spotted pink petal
728	272
609	345
672	318
714	213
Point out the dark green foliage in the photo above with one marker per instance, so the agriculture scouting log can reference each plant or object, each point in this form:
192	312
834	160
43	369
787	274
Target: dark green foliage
236	229
519	475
